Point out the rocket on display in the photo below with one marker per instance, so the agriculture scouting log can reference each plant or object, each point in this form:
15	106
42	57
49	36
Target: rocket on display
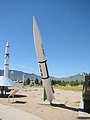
6	60
48	90
5	82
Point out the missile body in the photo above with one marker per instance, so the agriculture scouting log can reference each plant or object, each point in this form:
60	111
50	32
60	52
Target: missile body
48	92
6	60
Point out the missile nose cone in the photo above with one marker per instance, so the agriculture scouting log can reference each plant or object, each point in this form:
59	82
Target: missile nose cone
33	18
7	44
35	26
34	22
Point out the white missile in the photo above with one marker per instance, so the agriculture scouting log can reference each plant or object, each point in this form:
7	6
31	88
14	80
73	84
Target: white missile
48	91
6	60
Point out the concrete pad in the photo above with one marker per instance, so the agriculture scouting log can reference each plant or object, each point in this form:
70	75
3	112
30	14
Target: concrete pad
44	102
10	113
82	114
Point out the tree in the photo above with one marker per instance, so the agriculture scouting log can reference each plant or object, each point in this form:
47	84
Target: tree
63	83
81	82
41	82
52	82
59	82
36	81
74	83
28	81
77	83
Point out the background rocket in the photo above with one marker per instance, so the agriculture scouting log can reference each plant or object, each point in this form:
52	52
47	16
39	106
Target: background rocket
6	60
48	91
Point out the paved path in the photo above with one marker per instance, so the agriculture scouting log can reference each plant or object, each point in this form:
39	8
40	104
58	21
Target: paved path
10	113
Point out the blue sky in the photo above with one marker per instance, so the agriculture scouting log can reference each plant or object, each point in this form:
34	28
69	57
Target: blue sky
65	30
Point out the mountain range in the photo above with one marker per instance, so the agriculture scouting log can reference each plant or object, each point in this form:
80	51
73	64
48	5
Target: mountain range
18	75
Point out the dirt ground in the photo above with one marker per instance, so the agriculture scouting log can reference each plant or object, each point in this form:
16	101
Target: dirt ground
30	99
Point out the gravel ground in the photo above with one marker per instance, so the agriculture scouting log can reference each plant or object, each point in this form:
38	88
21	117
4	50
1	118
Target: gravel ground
30	99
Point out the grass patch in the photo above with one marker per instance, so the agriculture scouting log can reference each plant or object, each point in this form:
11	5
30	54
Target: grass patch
68	87
75	88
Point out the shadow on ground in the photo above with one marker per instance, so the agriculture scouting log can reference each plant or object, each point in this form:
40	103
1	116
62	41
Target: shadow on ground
20	102
66	107
15	96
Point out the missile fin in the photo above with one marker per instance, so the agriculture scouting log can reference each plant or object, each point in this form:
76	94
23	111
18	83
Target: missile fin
53	89
45	95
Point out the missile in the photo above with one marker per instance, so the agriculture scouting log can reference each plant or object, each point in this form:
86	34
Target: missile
6	60
48	91
23	79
